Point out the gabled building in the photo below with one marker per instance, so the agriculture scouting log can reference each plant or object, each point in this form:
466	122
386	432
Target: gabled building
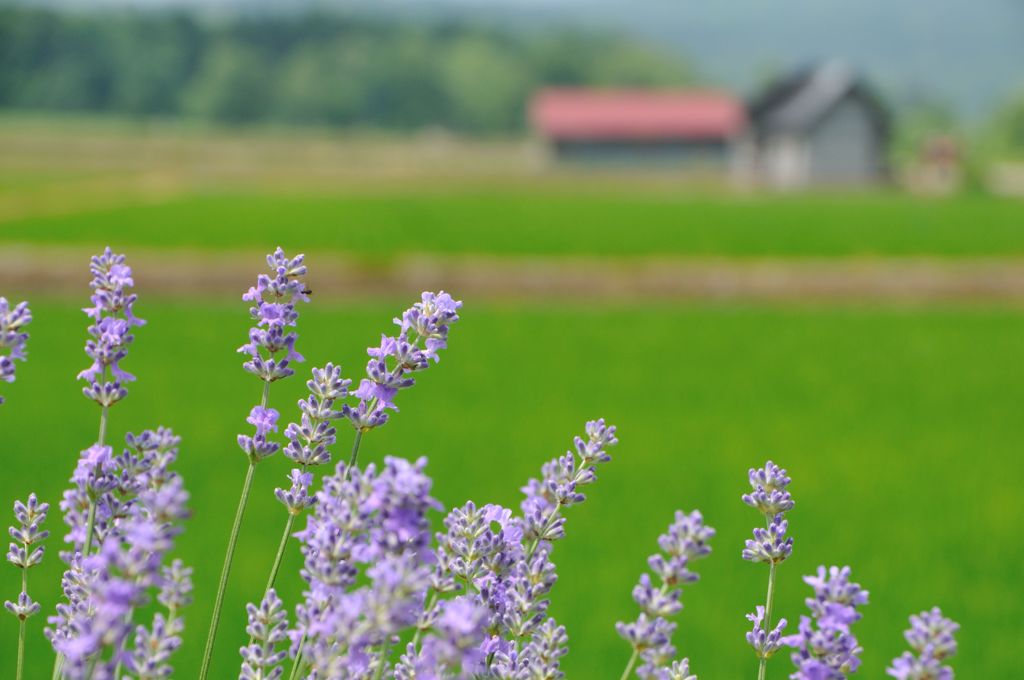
664	128
819	126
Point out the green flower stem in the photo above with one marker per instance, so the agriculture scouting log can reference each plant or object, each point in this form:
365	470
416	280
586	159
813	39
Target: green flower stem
298	660
21	627
355	452
629	666
383	661
229	556
762	668
280	553
277	558
225	571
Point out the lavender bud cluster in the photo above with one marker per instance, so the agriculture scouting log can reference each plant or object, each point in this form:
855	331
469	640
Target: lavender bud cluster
12	337
268	628
139	503
112	321
393	363
825	647
363	520
650	635
770	545
24	551
932	638
310	439
452	647
274	299
770	498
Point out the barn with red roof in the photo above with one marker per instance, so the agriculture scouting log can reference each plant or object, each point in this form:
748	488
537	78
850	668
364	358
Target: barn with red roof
670	127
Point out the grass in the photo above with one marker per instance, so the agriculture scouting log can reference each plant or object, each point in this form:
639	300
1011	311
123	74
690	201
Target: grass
900	427
380	226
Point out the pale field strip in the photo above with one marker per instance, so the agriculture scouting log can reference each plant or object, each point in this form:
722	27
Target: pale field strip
62	271
48	169
51	169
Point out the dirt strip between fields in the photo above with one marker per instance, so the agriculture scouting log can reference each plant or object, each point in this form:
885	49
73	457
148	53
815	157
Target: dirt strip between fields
29	270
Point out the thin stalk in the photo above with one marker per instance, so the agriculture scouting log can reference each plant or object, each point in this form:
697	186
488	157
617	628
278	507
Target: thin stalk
103	426
629	666
762	668
90	527
226	571
355	451
383	661
21	628
277	558
298	660
280	553
229	556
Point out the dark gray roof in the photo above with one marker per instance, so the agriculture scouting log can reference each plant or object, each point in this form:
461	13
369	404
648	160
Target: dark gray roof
801	100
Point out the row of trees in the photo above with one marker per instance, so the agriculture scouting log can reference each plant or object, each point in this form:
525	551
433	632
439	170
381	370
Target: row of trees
325	70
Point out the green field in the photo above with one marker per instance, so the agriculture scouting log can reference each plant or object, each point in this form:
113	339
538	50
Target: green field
901	429
900	424
529	220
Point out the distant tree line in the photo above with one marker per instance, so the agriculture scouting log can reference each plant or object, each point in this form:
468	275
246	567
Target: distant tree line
315	69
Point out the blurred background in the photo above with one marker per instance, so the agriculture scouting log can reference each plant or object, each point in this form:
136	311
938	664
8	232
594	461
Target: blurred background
739	231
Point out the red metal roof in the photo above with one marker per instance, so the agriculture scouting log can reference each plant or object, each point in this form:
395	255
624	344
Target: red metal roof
636	114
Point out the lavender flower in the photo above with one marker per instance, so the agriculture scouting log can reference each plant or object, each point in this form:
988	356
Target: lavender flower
560	483
139	503
770	545
297	497
308	445
363	517
12	337
502	562
258	447
154	646
651	634
765	642
825	647
394	361
25	552
268	626
309	440
932	637
453	647
679	670
112	320
274	298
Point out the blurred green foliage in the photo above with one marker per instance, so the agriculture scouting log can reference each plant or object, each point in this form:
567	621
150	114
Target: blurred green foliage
316	69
